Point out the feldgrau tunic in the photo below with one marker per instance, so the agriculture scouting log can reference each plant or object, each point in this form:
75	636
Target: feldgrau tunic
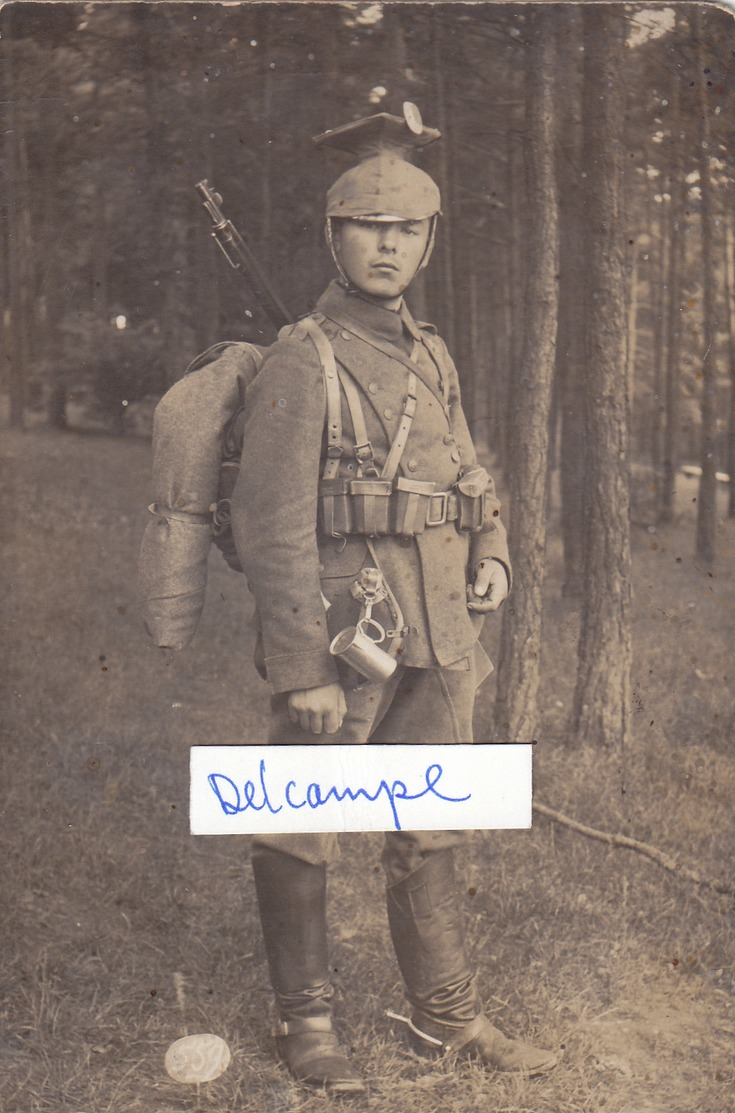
291	567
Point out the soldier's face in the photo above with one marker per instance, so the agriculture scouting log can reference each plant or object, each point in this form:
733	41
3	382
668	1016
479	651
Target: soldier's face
381	257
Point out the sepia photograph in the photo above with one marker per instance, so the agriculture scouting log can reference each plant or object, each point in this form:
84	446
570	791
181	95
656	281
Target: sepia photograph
368	379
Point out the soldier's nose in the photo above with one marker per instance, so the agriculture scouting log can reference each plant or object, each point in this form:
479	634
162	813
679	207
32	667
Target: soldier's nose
388	240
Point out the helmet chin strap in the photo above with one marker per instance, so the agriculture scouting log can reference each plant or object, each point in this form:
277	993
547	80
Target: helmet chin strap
429	244
329	236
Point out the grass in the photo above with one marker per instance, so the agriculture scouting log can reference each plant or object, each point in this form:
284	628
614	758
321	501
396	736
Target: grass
110	904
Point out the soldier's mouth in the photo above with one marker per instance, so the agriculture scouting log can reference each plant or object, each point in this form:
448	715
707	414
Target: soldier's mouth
385	267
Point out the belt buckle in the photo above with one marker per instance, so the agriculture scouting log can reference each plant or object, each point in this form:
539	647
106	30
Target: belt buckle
431	521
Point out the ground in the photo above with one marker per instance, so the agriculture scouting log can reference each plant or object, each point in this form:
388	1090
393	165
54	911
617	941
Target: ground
121	932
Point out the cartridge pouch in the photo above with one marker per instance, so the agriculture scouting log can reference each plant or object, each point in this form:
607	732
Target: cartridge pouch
371	501
470	489
336	506
411	503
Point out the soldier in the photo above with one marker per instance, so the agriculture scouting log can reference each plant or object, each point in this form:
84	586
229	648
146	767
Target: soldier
360	503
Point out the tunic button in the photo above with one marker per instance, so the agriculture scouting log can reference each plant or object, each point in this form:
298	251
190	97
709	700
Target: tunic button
412	464
346	335
456	455
373	388
388	413
448	438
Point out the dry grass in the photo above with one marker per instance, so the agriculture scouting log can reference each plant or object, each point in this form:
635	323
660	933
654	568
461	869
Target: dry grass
109	902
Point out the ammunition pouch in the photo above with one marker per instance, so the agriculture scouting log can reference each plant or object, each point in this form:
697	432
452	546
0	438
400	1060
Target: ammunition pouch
336	506
471	487
402	507
371	506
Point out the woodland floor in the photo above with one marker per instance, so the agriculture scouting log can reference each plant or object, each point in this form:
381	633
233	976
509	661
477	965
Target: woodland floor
109	902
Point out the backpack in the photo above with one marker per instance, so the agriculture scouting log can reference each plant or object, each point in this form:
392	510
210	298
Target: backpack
197	442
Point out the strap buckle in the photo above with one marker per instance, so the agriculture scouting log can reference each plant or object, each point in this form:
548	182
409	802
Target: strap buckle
364	454
443	498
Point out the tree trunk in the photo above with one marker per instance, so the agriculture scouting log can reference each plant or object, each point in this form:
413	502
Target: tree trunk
570	348
677	189
518	676
16	322
603	691
730	277
660	307
707	498
445	229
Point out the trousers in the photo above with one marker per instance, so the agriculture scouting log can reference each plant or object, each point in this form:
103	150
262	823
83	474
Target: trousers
429	706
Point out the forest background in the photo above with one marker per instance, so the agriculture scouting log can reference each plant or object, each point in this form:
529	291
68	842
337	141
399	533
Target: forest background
584	280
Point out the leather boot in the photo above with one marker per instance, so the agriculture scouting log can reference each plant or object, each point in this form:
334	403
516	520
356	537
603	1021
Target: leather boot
428	936
292	903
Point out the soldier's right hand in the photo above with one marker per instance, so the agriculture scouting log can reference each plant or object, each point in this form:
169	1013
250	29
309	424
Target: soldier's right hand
319	710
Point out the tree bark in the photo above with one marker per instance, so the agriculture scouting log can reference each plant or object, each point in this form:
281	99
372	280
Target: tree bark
707	498
603	690
518	675
445	228
570	347
17	240
730	278
677	189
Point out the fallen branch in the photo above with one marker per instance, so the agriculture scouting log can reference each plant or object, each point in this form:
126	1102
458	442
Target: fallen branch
665	860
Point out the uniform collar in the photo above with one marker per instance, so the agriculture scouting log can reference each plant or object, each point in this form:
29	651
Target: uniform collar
388	324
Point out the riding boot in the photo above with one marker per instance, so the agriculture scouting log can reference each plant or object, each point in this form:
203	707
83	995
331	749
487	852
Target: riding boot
292	904
428	936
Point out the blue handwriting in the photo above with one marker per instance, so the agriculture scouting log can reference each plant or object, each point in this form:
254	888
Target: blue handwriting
257	797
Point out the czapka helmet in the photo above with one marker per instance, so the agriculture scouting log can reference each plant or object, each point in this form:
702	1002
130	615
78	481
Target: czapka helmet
384	186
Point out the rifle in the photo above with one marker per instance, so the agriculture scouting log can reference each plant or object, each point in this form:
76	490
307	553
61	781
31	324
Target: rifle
240	257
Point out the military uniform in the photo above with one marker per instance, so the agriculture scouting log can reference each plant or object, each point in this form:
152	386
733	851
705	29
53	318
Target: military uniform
304	542
276	509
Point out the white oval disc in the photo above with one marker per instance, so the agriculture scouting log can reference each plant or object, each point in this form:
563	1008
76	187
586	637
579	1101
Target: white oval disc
199	1058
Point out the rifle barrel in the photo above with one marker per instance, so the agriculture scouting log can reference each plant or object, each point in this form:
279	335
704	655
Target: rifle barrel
241	258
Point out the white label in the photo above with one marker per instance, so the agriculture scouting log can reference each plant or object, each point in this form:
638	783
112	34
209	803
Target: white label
237	790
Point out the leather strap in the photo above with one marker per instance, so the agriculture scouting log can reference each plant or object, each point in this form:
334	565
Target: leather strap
465	1035
180	515
400	629
325	352
399	442
303	1024
363	448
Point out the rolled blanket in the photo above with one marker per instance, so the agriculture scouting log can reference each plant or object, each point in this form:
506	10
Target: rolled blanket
188	434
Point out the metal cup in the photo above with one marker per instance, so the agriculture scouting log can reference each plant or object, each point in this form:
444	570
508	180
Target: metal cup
356	648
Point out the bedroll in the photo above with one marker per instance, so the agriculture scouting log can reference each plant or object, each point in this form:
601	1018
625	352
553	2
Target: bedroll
197	438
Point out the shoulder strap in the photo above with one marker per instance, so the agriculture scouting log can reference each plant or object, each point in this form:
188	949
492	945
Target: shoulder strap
325	352
393	459
333	377
363	448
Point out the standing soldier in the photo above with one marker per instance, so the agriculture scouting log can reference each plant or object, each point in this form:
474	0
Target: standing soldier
360	503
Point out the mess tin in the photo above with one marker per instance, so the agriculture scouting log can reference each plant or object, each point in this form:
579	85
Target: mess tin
355	647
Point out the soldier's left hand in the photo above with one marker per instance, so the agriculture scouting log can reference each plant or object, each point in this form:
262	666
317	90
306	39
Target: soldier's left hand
490	588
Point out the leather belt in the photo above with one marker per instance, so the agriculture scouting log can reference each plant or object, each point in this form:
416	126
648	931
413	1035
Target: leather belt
442	508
